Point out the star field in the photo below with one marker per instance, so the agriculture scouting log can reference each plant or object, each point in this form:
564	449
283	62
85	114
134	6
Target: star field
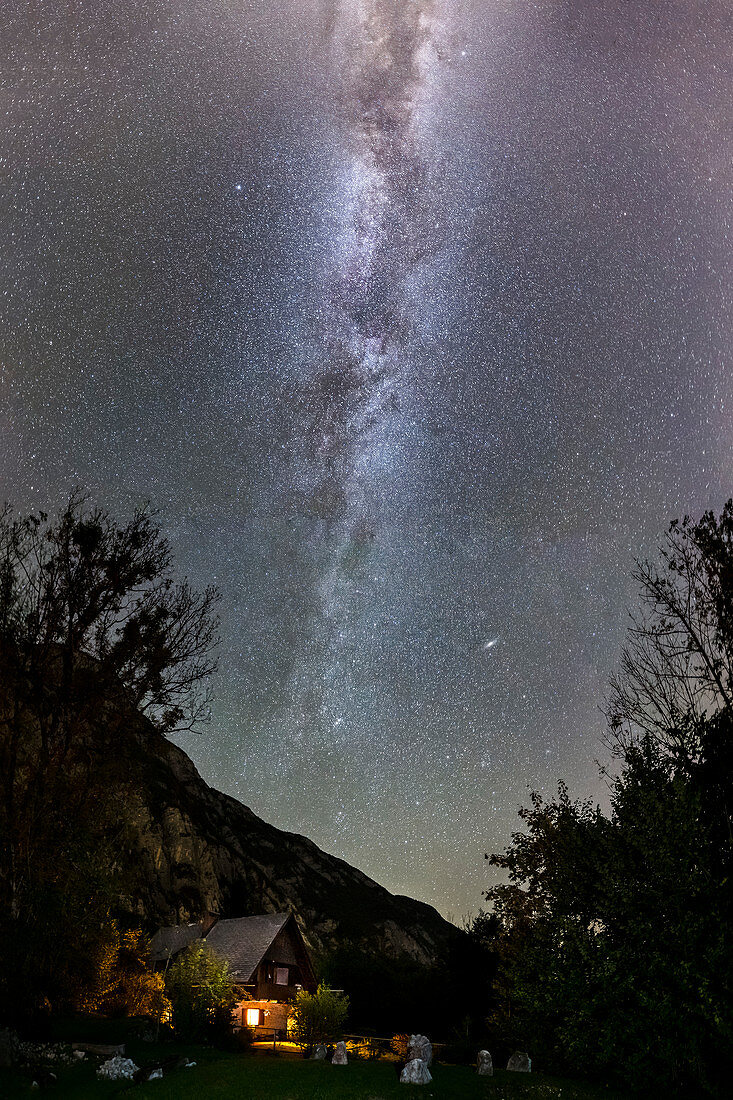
413	319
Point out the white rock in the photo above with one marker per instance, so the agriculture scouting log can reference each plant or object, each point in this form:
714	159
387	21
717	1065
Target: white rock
484	1065
117	1069
420	1047
155	1075
520	1062
415	1073
339	1055
320	1053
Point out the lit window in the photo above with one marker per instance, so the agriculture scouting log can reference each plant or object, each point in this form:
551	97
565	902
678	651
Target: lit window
253	1017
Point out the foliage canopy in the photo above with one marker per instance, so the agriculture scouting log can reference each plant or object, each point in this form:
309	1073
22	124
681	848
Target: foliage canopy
318	1017
94	632
202	993
615	931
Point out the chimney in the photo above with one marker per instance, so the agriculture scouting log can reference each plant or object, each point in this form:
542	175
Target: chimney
208	922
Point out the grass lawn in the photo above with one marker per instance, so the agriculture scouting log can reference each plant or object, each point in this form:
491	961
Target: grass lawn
264	1076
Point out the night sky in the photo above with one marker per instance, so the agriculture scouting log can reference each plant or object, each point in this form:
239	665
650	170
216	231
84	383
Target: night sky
413	319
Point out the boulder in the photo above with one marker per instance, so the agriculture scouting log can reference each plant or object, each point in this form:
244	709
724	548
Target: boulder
520	1062
339	1055
319	1053
415	1072
484	1065
420	1047
117	1069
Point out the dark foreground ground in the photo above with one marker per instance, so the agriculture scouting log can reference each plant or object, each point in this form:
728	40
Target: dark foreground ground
264	1076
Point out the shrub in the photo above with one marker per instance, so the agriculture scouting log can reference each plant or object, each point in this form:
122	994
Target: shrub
318	1017
201	993
399	1044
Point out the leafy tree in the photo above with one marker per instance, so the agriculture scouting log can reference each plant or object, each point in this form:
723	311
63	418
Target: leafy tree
50	950
318	1017
201	992
615	948
674	691
547	916
125	983
94	632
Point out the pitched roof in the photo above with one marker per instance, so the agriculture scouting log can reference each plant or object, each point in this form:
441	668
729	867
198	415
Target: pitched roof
243	941
167	942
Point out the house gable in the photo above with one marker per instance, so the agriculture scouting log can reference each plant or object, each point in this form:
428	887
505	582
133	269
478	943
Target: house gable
266	954
244	941
284	967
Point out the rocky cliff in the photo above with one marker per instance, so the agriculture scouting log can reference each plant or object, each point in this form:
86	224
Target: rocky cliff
194	850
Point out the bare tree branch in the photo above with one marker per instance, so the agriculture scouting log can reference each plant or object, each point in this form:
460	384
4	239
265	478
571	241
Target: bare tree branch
676	670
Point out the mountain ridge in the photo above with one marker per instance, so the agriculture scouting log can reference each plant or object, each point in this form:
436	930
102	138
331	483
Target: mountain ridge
194	849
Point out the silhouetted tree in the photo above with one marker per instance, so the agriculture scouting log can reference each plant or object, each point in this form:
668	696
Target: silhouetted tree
615	951
676	669
94	632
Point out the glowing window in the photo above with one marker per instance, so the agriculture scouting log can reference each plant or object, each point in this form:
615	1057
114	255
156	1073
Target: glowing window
253	1017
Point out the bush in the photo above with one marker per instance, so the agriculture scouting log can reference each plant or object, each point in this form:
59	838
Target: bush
318	1017
201	993
399	1044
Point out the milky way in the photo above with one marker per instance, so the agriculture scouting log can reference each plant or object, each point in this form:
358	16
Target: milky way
381	51
414	321
358	376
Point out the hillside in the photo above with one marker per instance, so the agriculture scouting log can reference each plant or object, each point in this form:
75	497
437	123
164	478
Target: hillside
194	849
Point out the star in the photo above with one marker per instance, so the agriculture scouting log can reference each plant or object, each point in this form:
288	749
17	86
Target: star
456	362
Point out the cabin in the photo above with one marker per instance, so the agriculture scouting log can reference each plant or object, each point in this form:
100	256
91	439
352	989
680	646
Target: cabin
268	960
